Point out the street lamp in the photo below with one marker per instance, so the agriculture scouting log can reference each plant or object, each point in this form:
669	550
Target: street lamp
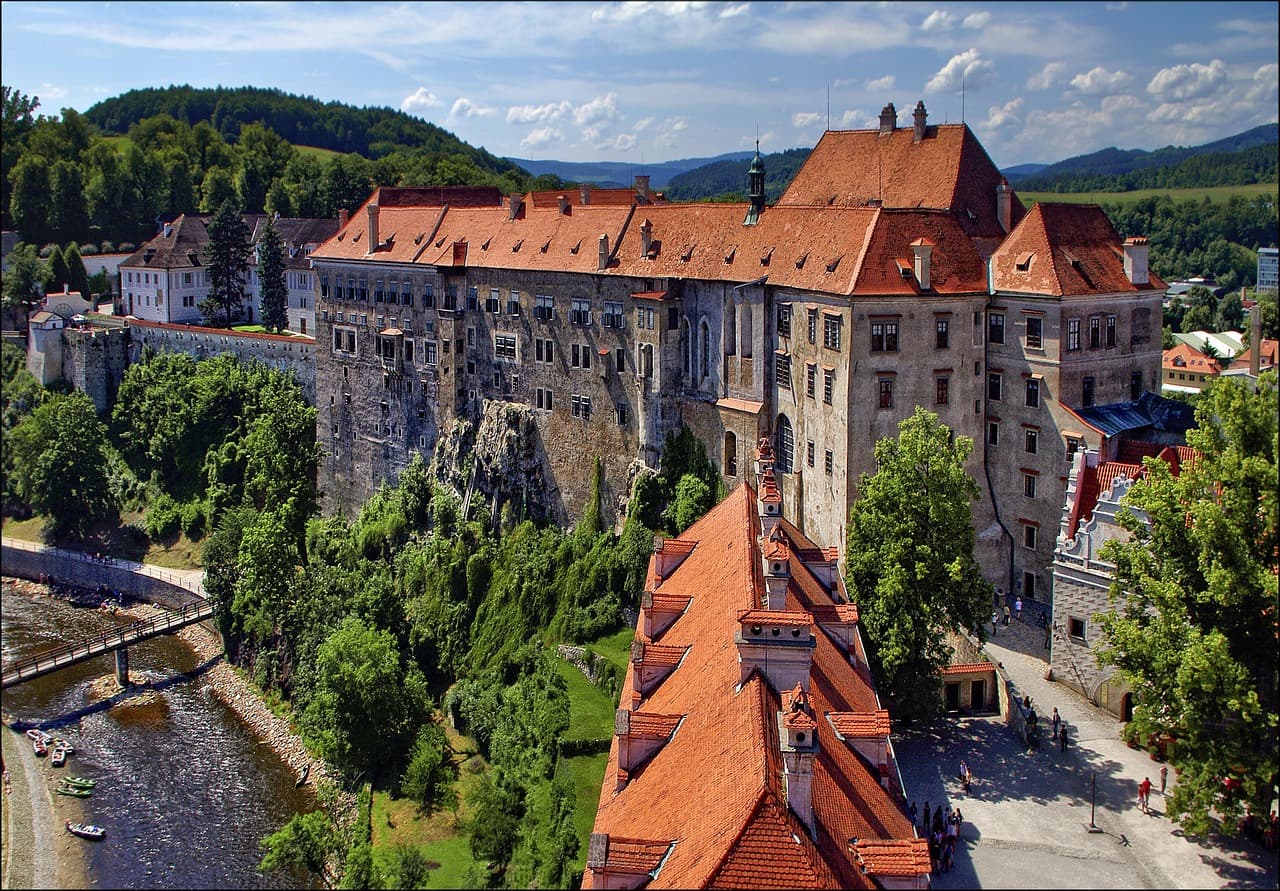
1093	801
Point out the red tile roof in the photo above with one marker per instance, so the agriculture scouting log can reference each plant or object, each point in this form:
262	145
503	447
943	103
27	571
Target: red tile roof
1095	481
1185	357
1061	250
716	787
1266	358
968	667
861	724
896	857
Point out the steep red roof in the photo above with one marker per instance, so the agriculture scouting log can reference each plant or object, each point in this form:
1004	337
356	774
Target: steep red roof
1185	357
1095	481
1061	250
715	788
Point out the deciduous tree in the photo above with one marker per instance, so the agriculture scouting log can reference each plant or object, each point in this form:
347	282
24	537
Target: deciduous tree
910	559
302	844
26	277
1193	624
428	780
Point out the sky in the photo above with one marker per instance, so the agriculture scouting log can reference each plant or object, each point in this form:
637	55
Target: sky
640	82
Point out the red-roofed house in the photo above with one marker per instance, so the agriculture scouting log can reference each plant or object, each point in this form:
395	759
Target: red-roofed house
762	759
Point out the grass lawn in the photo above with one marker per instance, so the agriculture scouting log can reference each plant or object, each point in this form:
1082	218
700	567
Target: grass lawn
24	530
616	647
590	711
1216	194
323	154
587	773
178	552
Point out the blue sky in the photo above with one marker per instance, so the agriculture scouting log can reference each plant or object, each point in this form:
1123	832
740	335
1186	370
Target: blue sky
642	81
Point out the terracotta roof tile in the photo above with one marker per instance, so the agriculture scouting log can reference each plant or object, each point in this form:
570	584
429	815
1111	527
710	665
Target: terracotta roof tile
1185	357
861	725
785	618
648	724
967	667
893	857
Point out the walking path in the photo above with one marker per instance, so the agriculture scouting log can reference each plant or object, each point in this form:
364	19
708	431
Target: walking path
1027	818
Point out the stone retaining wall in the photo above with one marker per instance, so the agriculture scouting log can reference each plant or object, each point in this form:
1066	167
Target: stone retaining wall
82	571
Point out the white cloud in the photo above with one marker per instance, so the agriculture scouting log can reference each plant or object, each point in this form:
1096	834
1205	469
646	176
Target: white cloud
465	108
938	20
881	84
624	142
419	99
669	132
968	68
1101	82
541	137
601	108
50	92
733	10
1001	116
1047	77
1182	82
806	118
1264	87
977	20
1122	102
531	114
853	119
641	124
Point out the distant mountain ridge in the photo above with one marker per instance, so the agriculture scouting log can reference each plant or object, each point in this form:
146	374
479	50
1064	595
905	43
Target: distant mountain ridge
621	173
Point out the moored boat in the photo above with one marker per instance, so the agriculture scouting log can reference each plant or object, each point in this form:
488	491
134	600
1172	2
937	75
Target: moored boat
85	830
79	782
61	743
59	756
73	791
40	748
33	734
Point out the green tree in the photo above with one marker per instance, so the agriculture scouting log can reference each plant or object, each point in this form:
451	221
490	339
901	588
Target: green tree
30	192
910	564
1230	315
407	867
495	823
360	870
1194	604
26	278
693	499
428	779
273	291
77	277
69	216
266	561
60	465
225	257
59	271
302	845
1197	318
217	188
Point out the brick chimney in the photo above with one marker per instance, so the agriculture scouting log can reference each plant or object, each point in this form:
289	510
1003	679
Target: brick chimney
798	740
563	201
1135	260
777	644
921	254
343	216
888	119
604	251
919	116
1255	339
373	227
646	236
1004	204
642	185
584	191
514	202
776	557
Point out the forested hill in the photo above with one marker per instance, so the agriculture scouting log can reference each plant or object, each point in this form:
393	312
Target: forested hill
1248	157
301	120
727	180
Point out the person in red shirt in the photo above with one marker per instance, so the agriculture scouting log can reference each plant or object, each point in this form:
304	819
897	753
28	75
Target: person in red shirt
1144	790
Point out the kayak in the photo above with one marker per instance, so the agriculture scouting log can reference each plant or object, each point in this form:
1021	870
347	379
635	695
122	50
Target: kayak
74	792
79	782
85	830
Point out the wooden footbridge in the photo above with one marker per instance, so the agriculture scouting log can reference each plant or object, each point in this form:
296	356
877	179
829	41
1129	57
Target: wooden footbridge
115	641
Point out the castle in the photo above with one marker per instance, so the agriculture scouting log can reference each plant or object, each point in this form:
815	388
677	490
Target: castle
898	268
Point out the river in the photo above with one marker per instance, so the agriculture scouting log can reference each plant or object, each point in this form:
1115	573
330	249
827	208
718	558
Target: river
185	792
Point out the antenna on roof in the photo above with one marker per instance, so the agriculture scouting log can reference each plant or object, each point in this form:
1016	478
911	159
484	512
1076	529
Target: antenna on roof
962	95
828	105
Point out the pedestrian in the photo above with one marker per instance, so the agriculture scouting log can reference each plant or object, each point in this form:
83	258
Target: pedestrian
1062	737
1144	792
968	781
995	621
964	769
1164	776
924	824
938	822
1007	615
1017	608
959	820
1057	722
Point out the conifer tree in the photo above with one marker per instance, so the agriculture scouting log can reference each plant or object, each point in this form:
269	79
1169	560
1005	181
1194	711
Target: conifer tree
273	290
58	271
225	256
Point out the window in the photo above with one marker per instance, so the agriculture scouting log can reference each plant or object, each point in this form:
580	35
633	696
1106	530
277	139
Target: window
995	327
782	370
1135	385
1029	535
186	278
408	350
620	360
1029	485
621	409
1076	627
942	334
784	321
644	317
886	392
828	385
1073	445
810	380
1029	585
612	315
831	332
1035	329
543	399
580	313
884	337
730	453
1030	439
1087	391
993	433
994	381
504	346
406	293
581	407
1111	332
786	445
471	337
431	352
429	296
473	298
942	388
543	351
1095	332
813	326
810	452
495	299
1073	334
344	340
829	462
1033	393
580	356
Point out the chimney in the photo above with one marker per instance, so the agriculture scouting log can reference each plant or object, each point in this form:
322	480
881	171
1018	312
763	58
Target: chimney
1135	260
168	229
642	185
778	644
776	556
921	252
1004	204
585	191
768	504
373	227
563	201
514	201
798	740
604	251
919	116
1255	339
646	236
888	119
343	216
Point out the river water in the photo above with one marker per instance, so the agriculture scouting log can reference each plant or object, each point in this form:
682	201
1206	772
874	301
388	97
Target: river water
185	792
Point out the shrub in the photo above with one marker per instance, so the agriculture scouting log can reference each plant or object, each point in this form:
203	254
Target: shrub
163	518
108	247
89	250
47	250
193	518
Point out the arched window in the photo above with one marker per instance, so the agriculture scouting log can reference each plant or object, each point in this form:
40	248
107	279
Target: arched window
706	350
786	445
730	454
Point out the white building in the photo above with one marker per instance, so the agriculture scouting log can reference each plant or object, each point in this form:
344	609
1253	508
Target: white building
1269	269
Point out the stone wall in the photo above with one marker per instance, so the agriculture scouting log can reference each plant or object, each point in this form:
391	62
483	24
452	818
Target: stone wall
82	571
94	360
